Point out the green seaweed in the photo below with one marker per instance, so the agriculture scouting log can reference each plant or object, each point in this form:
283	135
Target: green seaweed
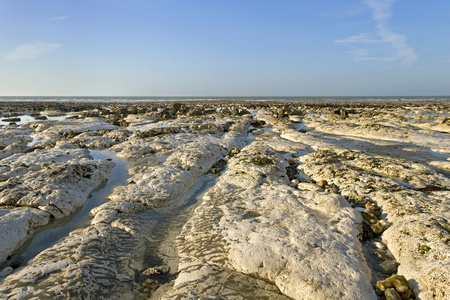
424	249
261	161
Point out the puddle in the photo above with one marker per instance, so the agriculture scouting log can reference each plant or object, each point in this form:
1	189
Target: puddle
167	224
46	236
27	119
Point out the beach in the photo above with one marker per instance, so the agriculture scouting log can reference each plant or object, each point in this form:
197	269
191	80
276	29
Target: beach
225	200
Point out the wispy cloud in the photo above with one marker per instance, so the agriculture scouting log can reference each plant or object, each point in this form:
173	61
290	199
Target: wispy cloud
402	54
27	51
57	18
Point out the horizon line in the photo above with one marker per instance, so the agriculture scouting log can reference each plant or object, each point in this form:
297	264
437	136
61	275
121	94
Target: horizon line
124	96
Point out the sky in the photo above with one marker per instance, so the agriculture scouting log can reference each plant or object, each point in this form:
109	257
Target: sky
224	48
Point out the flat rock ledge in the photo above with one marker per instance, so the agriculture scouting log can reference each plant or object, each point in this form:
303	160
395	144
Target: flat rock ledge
253	223
301	192
39	186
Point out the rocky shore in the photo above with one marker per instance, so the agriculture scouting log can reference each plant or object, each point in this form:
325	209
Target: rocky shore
303	201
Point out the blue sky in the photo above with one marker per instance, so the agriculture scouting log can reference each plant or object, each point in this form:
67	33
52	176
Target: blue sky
224	48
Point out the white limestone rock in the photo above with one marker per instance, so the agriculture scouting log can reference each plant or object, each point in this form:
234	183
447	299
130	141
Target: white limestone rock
252	222
51	183
420	243
17	225
411	200
75	126
156	184
100	261
57	181
70	268
14	141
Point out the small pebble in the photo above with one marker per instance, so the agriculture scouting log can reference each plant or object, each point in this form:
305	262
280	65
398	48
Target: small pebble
379	245
392	294
384	223
377	228
156	270
332	188
6	271
294	182
389	267
369	211
372	205
322	183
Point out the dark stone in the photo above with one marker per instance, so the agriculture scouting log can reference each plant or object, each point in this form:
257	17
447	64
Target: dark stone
225	111
377	228
157	131
258	123
122	111
13	262
16	261
196	111
89	114
176	106
251	215
123	123
234	111
118	122
11	120
332	188
132	110
165	115
221	163
142	110
282	113
389	267
215	171
243	112
392	294
294	112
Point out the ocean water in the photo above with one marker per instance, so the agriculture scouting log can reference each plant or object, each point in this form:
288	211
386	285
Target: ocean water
262	99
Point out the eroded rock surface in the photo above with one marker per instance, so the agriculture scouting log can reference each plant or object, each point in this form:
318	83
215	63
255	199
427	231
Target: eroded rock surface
305	198
252	222
51	183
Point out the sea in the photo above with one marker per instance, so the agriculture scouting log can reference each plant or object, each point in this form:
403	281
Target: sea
249	99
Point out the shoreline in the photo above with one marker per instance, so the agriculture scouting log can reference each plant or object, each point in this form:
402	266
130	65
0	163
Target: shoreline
35	107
